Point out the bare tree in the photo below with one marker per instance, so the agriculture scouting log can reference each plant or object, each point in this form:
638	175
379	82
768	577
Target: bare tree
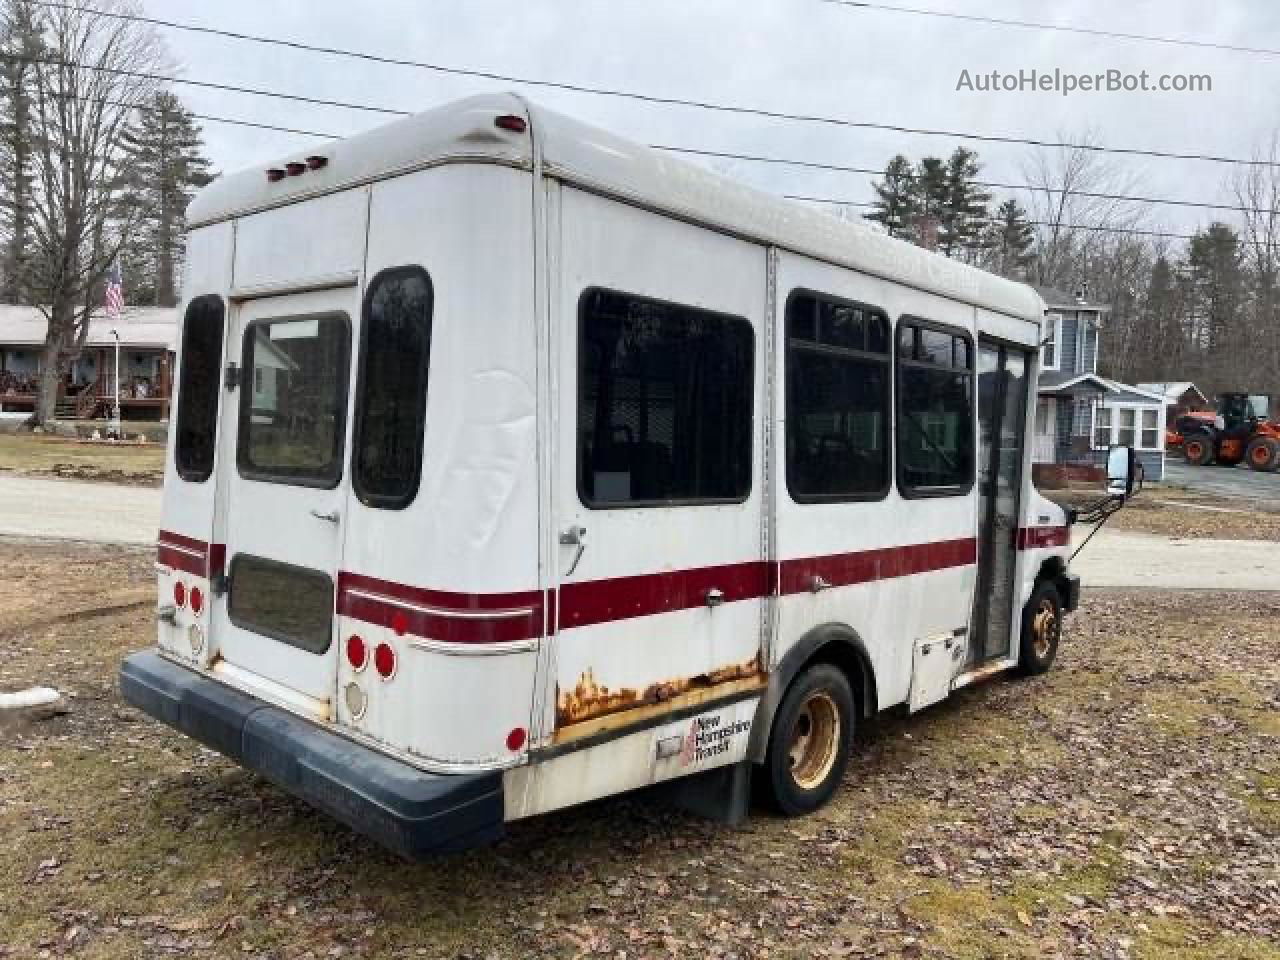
1257	191
86	87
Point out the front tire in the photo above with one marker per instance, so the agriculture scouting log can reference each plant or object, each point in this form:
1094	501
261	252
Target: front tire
809	741
1198	450
1263	454
1041	630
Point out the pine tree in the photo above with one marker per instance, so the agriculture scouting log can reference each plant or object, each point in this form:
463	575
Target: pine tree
20	34
1008	240
896	194
962	215
167	156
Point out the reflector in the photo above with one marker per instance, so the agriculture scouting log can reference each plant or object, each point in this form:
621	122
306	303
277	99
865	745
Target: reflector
515	739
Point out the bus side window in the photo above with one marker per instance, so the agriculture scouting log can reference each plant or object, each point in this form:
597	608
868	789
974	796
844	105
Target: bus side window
837	414
664	403
395	356
198	387
935	410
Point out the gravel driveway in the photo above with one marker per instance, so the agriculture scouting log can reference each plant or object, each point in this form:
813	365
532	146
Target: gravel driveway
75	510
1249	487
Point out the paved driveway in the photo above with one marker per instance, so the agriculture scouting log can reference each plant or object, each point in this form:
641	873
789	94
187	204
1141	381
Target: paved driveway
1118	558
1261	490
75	510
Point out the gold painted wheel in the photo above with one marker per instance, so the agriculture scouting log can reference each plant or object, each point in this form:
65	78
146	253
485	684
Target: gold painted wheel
1044	628
815	740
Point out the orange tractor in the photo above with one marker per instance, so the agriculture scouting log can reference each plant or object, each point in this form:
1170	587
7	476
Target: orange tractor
1239	431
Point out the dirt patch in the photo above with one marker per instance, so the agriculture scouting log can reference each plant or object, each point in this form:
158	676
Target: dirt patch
42	455
1183	514
1126	805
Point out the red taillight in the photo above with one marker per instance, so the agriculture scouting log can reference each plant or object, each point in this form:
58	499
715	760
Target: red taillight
384	661
316	162
275	175
179	594
509	121
357	652
295	169
515	739
197	600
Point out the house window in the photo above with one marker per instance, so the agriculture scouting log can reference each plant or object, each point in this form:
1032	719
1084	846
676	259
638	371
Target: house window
664	403
837	400
1082	417
935	410
1125	434
1102	427
1150	439
1052	336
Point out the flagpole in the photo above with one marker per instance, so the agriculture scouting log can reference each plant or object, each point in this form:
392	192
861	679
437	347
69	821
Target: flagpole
115	407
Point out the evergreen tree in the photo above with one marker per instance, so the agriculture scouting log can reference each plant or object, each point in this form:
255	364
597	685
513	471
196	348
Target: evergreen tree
962	215
20	36
168	164
1008	240
1217	284
895	205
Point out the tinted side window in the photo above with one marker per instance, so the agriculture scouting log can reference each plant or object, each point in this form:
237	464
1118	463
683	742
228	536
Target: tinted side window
935	410
394	361
837	400
664	403
198	385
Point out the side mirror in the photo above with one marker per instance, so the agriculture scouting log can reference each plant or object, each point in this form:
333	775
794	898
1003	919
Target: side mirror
1124	472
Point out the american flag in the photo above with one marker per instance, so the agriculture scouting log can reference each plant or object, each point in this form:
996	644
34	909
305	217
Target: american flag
115	292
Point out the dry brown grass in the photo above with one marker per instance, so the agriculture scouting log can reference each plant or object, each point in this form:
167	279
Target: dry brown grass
45	455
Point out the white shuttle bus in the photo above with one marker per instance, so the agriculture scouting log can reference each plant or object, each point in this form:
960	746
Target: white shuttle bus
516	465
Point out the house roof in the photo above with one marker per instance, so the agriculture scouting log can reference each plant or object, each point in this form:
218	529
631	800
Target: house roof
1067	382
1055	299
152	327
1172	390
594	159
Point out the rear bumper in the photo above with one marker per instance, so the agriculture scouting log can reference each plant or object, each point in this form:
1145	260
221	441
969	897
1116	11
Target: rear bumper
410	812
1070	592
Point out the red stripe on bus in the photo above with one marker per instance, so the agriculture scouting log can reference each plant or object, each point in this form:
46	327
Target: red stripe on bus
1035	538
178	540
181	560
865	566
189	555
623	598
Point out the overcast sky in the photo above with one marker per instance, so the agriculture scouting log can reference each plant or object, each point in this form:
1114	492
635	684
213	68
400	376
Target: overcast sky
798	56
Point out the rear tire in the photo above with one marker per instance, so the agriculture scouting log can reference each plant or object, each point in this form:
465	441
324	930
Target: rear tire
1041	630
809	742
1198	449
1263	454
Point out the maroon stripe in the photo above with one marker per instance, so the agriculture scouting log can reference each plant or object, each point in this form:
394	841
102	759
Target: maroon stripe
864	566
1035	538
217	559
439	598
180	560
601	601
178	540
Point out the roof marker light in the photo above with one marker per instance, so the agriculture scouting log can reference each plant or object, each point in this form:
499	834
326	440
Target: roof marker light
275	175
509	121
317	162
296	169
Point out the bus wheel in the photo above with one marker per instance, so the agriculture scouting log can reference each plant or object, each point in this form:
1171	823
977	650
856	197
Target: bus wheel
1041	629
809	741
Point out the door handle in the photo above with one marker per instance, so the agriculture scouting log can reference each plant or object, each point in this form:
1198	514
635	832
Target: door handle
332	516
574	536
817	584
714	597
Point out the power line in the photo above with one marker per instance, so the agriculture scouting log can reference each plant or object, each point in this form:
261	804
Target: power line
625	94
816	165
1058	28
835	201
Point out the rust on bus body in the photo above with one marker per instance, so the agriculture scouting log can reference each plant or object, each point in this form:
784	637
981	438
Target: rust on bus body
589	700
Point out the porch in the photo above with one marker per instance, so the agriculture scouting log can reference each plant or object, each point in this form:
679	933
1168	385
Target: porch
1078	419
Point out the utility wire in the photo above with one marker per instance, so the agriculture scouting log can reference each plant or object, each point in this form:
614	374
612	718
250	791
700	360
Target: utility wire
1058	28
631	95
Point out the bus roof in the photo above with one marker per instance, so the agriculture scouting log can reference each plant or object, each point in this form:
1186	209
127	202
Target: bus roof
593	158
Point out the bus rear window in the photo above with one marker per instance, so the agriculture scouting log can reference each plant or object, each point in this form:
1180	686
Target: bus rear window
197	421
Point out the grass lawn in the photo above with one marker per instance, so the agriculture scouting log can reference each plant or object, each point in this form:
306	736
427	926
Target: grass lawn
1125	805
47	455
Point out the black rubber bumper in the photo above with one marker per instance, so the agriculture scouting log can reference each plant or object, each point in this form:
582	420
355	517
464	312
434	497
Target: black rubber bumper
1070	592
408	811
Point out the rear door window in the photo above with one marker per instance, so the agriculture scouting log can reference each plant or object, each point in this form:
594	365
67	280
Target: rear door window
293	408
291	604
198	384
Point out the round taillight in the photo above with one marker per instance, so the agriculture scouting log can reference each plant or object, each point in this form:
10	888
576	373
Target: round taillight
384	661
197	600
357	652
179	594
516	738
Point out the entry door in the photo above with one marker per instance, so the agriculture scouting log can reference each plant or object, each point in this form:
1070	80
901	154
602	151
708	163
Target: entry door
659	420
285	490
1002	406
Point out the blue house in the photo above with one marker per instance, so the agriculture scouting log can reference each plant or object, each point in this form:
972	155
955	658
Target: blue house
1079	414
